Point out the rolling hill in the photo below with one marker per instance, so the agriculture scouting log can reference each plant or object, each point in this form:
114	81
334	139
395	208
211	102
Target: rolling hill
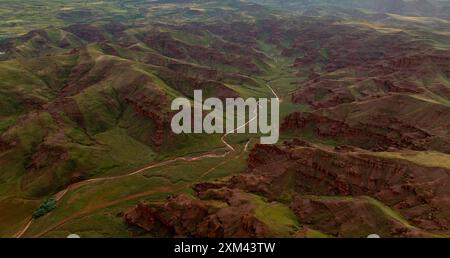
85	93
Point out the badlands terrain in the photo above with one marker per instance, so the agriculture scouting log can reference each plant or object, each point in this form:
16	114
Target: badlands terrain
86	145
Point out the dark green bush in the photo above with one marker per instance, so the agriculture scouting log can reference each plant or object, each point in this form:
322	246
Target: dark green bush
46	207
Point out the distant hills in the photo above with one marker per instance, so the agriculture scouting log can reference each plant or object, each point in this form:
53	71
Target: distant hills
86	144
405	7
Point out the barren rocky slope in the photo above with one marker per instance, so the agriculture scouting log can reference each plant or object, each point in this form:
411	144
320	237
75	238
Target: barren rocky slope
365	90
342	192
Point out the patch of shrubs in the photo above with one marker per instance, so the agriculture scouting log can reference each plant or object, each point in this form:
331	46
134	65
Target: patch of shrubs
46	207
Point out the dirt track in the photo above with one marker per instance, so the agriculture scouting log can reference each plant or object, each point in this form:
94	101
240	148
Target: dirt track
58	196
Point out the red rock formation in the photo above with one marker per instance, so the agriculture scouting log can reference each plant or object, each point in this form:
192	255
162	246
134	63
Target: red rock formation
185	216
241	57
418	193
4	146
68	107
46	156
187	85
150	103
355	217
383	134
87	32
367	64
341	193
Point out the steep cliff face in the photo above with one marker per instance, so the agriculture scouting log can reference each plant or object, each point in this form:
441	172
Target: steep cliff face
89	97
151	103
220	53
418	193
218	213
351	217
421	121
379	133
347	65
341	192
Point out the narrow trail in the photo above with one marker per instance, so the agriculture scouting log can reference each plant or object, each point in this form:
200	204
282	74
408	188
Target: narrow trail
106	205
273	91
21	232
255	111
62	193
58	196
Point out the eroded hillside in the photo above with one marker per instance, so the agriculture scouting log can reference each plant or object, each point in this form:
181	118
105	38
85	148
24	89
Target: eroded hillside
365	105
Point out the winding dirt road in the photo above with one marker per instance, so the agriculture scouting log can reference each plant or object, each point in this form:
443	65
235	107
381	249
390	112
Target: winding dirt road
58	196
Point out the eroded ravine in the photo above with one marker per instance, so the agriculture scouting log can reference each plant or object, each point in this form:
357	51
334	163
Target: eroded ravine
58	196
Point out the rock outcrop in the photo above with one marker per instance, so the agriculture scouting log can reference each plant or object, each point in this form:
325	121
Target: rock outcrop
341	192
218	213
